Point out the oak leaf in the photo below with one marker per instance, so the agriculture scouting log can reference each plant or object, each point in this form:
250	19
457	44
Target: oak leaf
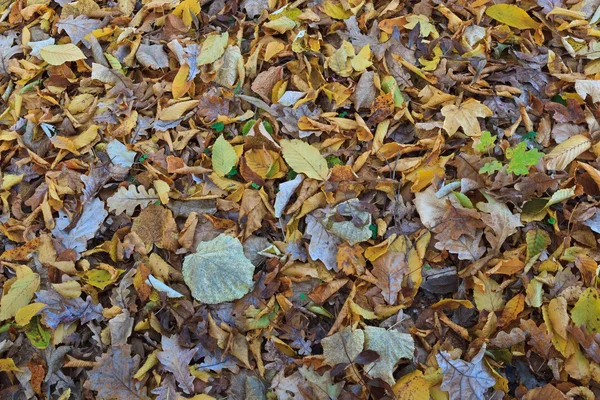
176	360
126	199
112	376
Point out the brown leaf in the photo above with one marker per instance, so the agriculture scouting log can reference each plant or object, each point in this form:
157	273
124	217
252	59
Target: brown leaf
390	269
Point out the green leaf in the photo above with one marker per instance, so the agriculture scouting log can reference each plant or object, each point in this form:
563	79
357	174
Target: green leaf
218	126
218	271
587	310
521	159
537	241
223	157
486	141
490	167
464	200
37	335
333	160
268	127
247	126
391	346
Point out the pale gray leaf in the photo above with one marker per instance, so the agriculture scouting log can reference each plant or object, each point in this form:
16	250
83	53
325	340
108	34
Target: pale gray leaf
391	346
176	360
79	27
465	380
89	222
323	245
286	191
152	56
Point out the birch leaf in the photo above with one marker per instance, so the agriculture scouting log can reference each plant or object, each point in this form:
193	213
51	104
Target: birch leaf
19	295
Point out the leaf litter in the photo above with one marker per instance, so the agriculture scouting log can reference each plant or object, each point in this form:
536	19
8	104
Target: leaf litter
309	200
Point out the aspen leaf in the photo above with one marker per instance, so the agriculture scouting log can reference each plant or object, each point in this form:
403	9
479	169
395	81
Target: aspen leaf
511	15
58	54
305	159
218	271
224	157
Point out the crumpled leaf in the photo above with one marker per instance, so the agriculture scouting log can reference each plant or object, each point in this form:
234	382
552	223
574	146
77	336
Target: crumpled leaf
89	222
7	51
61	310
391	346
323	245
465	380
218	271
176	360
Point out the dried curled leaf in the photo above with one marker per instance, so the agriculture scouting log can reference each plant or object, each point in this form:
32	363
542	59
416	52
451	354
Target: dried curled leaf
566	152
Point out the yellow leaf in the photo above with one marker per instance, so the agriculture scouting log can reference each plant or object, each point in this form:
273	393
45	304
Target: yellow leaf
8	364
362	61
465	116
162	189
412	386
511	15
202	397
587	310
58	54
223	157
213	48
177	110
181	84
305	159
25	314
126	6
186	9
487	294
281	25
85	138
68	289
335	10
19	295
10	180
563	154
272	49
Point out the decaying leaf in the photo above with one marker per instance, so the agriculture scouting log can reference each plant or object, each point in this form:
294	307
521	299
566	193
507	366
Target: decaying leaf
464	379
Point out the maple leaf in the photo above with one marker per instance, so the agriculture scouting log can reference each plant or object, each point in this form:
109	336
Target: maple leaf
521	159
390	269
465	116
391	346
112	376
323	245
465	380
176	360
